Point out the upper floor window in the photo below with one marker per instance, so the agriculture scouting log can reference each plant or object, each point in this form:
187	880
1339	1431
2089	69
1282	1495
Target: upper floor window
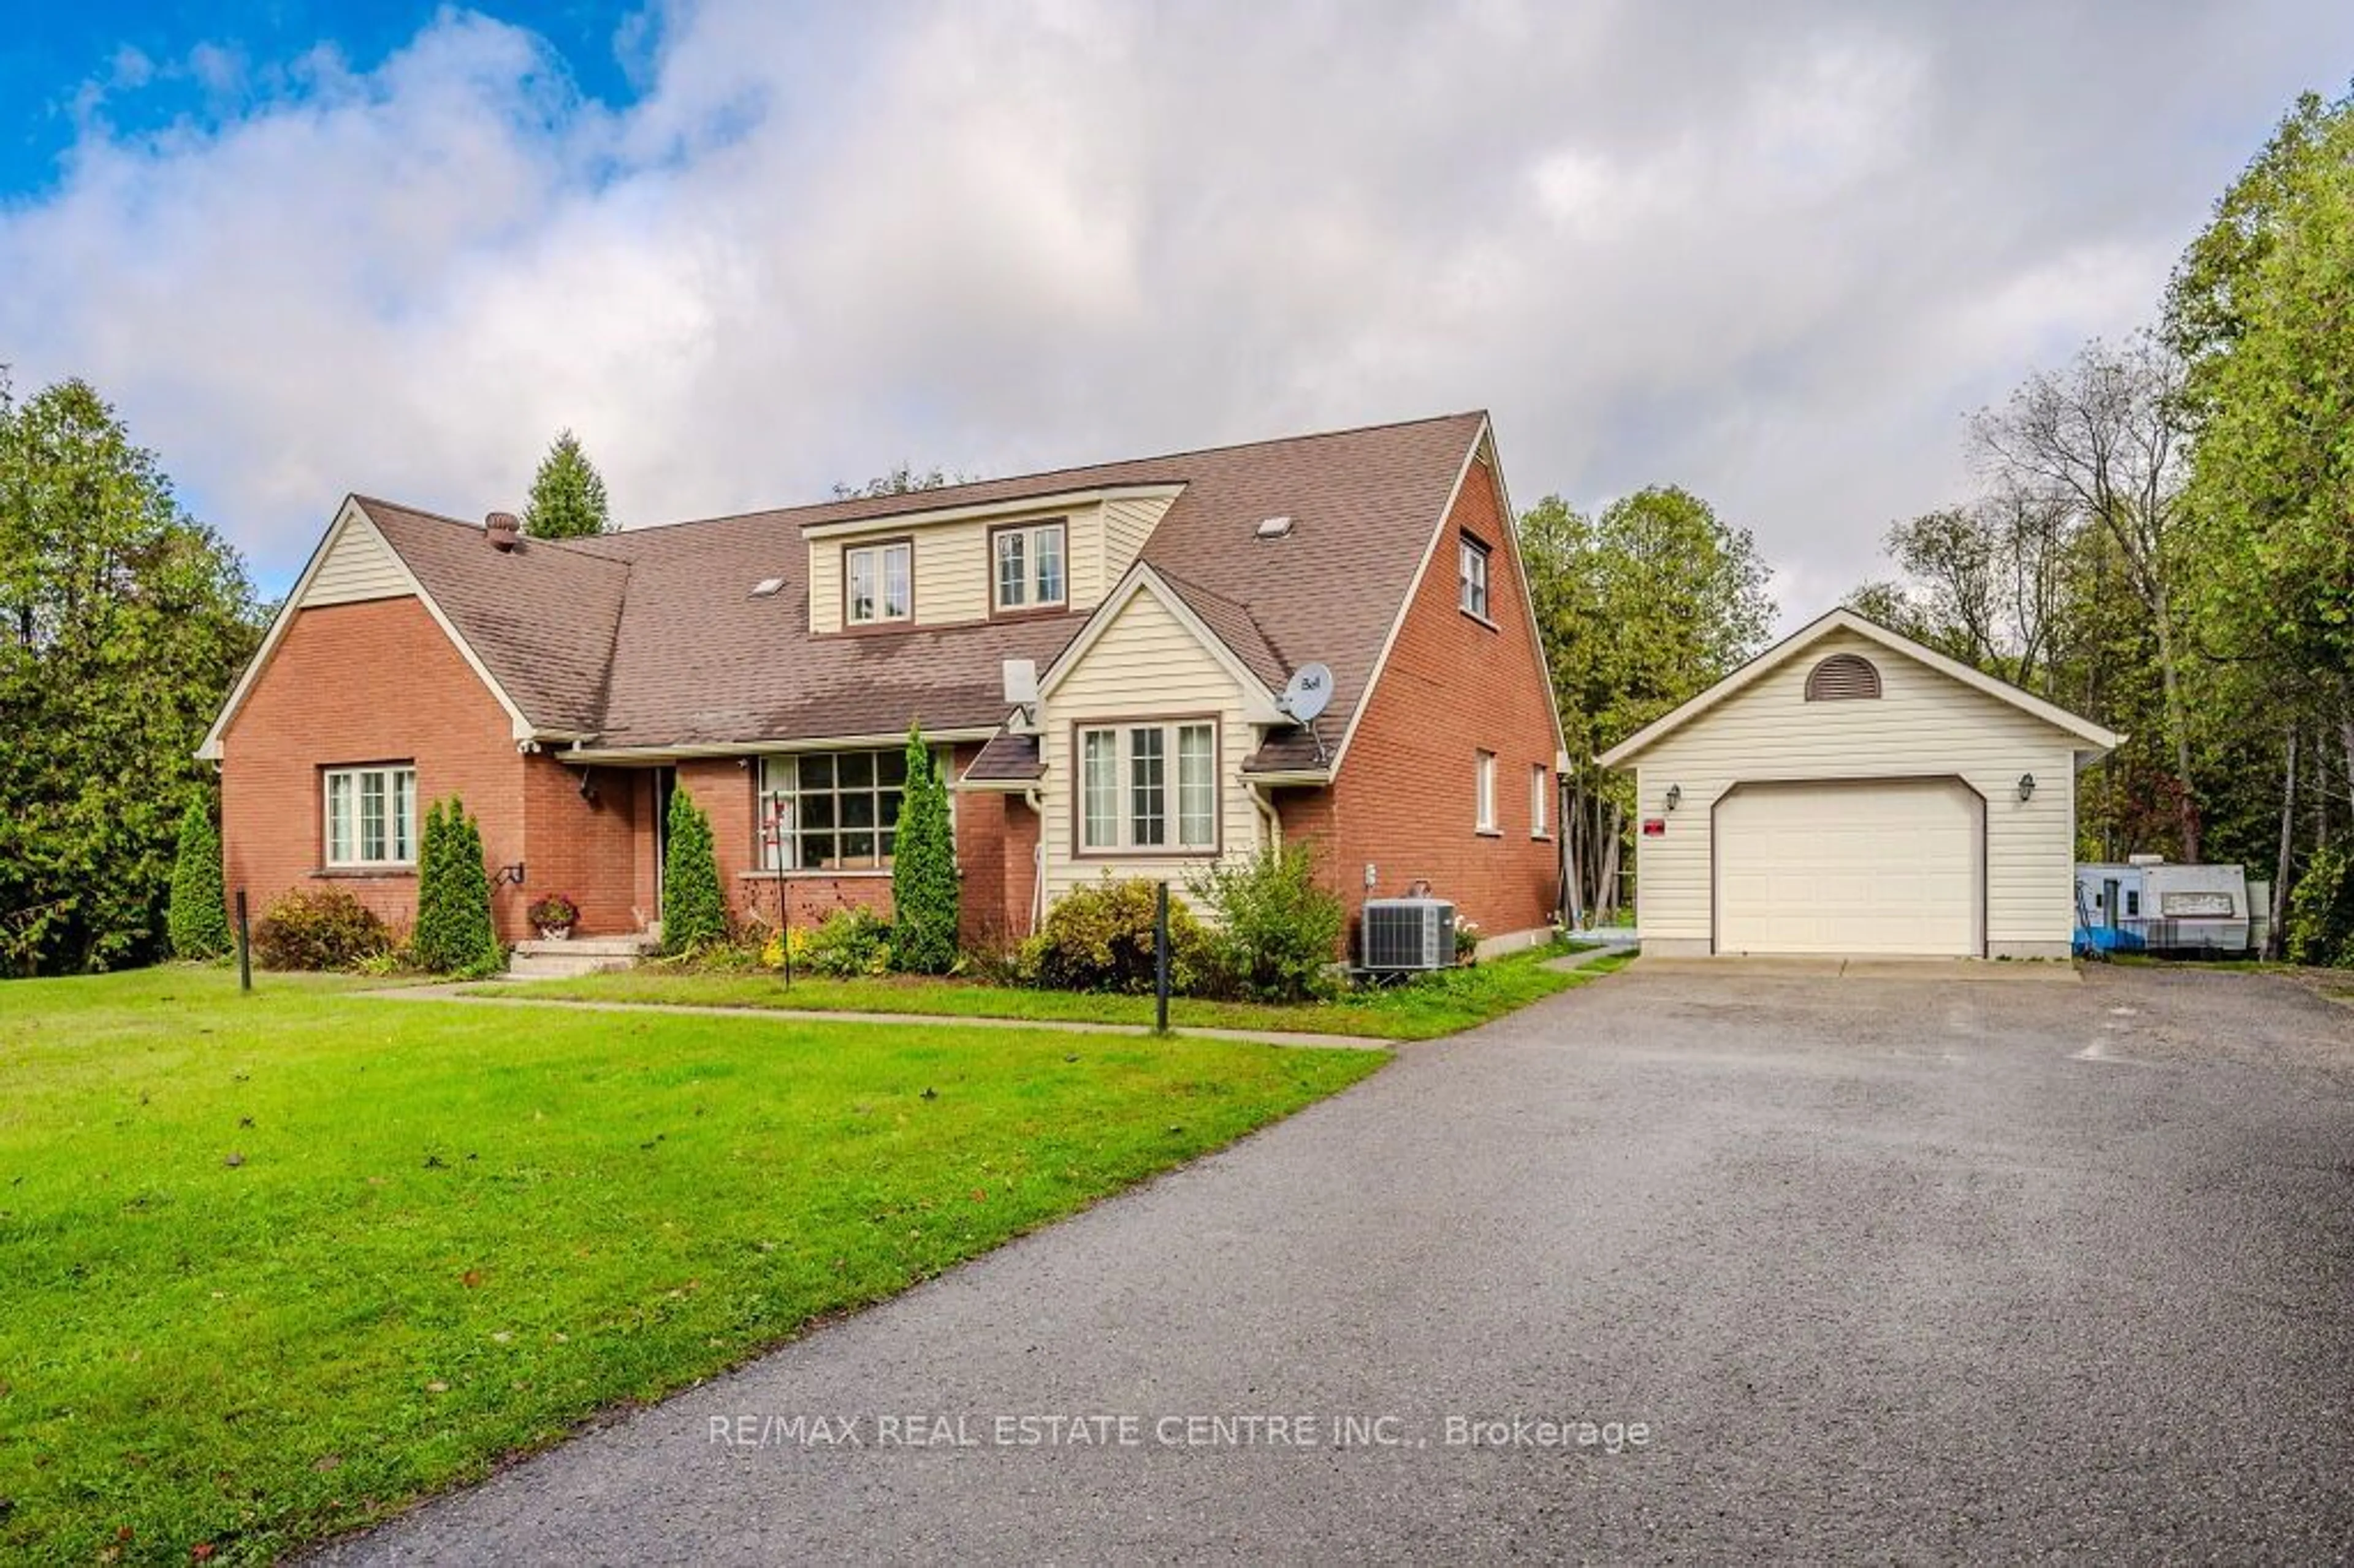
878	582
372	816
1150	786
1842	676
1472	576
1028	566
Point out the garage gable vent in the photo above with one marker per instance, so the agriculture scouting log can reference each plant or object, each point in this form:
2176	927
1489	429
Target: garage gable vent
1842	676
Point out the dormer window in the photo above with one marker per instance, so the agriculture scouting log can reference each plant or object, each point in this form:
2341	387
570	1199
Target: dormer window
1842	677
878	582
1027	567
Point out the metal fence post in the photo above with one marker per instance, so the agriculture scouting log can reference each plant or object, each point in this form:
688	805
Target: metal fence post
244	946
1161	961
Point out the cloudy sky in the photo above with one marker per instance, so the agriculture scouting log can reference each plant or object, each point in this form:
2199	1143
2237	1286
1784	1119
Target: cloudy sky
1774	253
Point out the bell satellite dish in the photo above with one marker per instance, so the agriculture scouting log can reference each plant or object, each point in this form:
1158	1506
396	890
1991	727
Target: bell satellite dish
1306	694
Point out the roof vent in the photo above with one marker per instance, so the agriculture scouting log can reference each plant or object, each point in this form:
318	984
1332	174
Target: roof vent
1275	527
503	530
768	588
1842	677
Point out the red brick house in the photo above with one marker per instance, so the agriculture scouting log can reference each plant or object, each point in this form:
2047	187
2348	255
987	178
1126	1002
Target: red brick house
1099	651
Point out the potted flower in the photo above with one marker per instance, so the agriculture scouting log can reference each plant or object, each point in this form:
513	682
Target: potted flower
555	915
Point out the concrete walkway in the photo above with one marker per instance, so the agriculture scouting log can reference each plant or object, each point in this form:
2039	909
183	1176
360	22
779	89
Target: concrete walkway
468	994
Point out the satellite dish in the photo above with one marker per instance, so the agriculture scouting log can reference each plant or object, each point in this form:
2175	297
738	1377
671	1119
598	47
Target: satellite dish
1306	694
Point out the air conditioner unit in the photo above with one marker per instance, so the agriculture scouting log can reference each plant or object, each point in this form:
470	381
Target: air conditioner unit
1408	934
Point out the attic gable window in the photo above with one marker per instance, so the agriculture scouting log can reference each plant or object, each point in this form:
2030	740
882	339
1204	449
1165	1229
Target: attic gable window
1842	677
1471	577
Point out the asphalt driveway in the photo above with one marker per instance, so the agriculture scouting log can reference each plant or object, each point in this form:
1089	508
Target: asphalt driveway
1896	1269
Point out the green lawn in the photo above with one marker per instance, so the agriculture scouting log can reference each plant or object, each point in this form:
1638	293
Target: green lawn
274	1265
1424	1009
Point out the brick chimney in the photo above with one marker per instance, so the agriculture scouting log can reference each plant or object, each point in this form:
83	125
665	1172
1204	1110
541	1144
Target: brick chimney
503	530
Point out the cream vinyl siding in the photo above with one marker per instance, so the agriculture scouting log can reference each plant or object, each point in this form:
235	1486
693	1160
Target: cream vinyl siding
1127	525
359	565
953	566
1144	665
1924	724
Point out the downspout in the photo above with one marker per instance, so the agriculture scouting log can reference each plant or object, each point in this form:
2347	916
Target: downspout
1266	812
1036	800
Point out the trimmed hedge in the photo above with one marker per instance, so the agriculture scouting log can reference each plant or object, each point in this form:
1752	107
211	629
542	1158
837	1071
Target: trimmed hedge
1100	938
326	930
923	890
198	919
695	911
454	933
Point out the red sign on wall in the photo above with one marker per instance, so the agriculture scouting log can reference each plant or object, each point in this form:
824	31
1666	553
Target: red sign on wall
1655	826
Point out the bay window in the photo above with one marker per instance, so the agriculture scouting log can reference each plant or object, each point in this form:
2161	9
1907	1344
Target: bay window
1148	787
1028	566
878	582
371	816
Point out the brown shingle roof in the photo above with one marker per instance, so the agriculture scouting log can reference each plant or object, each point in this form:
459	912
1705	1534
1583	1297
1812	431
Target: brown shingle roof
650	637
1008	757
541	617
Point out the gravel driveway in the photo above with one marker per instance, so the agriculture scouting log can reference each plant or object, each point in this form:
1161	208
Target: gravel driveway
1893	1269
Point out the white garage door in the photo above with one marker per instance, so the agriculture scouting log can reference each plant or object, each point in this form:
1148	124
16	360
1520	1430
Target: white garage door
1849	868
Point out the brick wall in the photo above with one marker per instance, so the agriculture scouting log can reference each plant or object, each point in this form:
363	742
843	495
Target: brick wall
991	840
1404	800
373	682
584	848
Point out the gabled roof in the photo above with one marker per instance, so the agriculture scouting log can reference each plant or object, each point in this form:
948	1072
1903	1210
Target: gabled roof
2093	736
541	615
650	639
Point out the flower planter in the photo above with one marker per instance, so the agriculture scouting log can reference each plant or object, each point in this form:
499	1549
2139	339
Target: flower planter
555	933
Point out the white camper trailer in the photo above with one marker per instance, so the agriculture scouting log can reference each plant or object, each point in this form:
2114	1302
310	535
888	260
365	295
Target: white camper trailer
2145	905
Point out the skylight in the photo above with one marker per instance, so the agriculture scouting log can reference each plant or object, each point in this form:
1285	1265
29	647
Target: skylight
1274	527
768	588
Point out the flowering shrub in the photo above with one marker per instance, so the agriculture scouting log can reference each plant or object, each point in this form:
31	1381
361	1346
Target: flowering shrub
553	909
1467	942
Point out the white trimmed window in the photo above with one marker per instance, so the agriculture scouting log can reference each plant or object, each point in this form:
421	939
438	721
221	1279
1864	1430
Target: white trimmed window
834	811
1485	784
1540	787
1148	787
1471	576
371	816
1028	572
878	582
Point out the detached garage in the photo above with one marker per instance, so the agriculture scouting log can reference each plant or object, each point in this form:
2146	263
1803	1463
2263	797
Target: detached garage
1850	791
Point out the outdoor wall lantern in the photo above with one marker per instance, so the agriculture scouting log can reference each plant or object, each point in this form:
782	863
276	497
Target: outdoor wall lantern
1675	795
509	873
2026	786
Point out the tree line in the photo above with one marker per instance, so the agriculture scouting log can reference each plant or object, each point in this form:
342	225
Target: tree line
123	623
2160	536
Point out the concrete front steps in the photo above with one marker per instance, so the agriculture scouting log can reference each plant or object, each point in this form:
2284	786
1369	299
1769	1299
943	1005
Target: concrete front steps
578	956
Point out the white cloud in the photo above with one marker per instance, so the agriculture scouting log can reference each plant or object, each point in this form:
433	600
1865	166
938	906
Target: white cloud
1773	259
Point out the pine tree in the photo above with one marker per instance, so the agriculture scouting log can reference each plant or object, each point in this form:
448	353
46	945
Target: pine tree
694	913
923	869
455	933
567	494
198	921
